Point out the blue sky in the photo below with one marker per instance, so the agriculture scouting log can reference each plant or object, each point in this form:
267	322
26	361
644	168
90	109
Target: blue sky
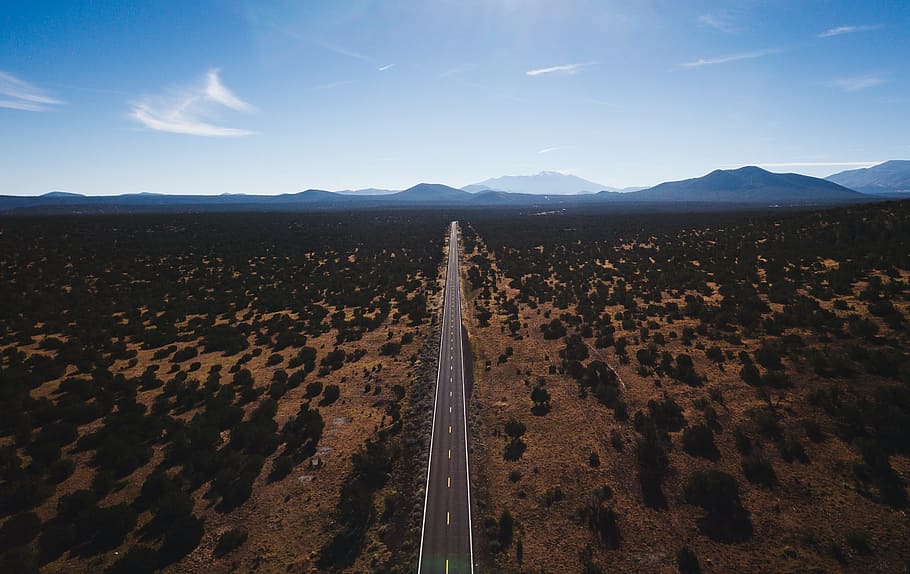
275	97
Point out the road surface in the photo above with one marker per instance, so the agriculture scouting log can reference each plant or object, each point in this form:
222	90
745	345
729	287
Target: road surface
446	545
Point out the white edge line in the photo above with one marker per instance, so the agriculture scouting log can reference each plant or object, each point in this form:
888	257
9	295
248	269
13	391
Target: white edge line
426	494
464	408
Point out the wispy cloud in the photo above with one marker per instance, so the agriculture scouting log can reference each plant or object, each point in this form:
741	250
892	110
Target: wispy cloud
857	83
549	149
333	85
727	59
16	94
386	67
720	22
841	30
565	69
341	50
189	111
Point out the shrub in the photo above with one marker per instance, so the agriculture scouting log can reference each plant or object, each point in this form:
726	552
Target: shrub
330	395
858	540
699	441
687	561
230	540
181	538
506	529
313	389
137	560
514	428
61	470
390	348
717	492
758	470
20	529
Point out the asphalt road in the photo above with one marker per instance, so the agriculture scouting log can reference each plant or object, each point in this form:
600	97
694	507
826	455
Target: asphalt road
445	540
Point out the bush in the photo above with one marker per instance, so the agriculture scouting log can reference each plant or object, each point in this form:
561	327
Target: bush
282	467
181	538
20	529
858	540
61	470
314	389
514	428
687	561
506	529
184	354
390	348
759	471
137	560
717	492
56	538
330	395
699	441
230	540
602	520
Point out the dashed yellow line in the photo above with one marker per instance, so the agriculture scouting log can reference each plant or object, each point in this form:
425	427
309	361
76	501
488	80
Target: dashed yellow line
450	482
447	519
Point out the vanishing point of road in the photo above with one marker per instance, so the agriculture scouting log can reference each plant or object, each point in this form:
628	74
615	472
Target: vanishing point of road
446	545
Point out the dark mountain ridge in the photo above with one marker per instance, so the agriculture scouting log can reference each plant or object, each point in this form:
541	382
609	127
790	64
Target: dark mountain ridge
746	186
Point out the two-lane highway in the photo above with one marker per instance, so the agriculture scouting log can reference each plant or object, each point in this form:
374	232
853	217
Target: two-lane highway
446	544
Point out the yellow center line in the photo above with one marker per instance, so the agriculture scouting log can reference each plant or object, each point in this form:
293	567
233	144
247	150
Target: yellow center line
447	519
447	567
450	482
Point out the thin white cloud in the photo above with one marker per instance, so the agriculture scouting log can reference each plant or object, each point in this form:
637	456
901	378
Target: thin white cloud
727	59
216	92
16	94
549	149
341	50
857	83
565	69
841	30
386	67
189	111
720	22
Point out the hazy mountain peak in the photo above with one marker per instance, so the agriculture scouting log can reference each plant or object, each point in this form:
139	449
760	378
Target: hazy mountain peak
542	183
892	176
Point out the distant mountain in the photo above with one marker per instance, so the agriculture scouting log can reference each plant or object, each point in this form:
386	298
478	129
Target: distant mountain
429	193
751	185
367	191
889	177
544	183
748	186
62	194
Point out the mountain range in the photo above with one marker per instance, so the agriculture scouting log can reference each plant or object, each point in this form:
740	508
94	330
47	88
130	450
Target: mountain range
889	177
746	186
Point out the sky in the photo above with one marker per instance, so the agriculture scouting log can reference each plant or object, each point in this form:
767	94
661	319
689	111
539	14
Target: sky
210	97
